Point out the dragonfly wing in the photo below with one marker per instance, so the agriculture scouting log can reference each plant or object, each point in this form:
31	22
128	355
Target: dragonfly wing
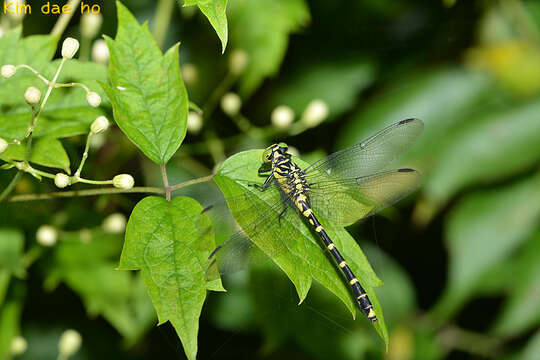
260	216
369	156
343	202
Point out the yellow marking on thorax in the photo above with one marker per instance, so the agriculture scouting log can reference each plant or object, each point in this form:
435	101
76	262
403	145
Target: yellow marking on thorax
362	296
353	281
307	212
371	314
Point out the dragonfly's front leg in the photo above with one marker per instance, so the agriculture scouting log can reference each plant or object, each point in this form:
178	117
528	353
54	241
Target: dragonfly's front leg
263	171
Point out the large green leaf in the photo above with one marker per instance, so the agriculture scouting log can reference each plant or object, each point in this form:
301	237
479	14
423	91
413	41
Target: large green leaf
305	259
89	268
170	243
482	231
262	29
215	12
497	145
337	83
148	95
45	151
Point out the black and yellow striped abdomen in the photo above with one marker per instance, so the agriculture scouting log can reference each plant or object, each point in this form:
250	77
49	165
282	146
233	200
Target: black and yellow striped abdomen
291	180
360	294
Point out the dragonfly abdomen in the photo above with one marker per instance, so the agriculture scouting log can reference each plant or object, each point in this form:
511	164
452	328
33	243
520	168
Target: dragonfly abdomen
360	294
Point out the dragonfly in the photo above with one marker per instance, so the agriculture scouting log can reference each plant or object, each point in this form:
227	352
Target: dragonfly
335	191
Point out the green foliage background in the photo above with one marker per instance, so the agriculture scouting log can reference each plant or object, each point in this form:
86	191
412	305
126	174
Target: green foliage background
459	258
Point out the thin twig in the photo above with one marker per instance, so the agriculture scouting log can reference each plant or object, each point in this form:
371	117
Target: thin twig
192	182
63	20
88	192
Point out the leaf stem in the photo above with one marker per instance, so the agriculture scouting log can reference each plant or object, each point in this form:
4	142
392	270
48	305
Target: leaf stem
165	182
63	19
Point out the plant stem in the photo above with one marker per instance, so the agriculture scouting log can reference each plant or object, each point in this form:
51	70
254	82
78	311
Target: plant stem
192	182
161	21
84	155
218	93
63	20
11	186
88	192
165	182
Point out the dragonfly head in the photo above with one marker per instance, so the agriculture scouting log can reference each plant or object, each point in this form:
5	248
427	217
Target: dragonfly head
272	150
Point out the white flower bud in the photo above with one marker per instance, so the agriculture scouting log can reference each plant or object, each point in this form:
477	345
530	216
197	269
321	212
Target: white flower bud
190	74
238	61
3	145
69	48
194	122
99	125
90	24
32	95
282	117
8	71
18	346
97	141
315	113
93	99
69	344
231	104
46	235
62	180
123	181
100	52
114	223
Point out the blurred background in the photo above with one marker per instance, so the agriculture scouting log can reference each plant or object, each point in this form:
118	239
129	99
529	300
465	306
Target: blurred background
460	258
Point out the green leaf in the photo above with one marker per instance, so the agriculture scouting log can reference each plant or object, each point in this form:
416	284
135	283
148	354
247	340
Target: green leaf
11	253
149	99
170	243
262	28
520	312
10	316
531	350
305	260
491	223
89	268
45	151
337	83
425	96
215	11
490	148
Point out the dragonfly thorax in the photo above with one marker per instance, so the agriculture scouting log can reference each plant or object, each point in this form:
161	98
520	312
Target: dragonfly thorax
289	176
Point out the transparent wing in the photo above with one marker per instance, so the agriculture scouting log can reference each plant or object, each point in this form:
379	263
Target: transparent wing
369	156
343	202
260	216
